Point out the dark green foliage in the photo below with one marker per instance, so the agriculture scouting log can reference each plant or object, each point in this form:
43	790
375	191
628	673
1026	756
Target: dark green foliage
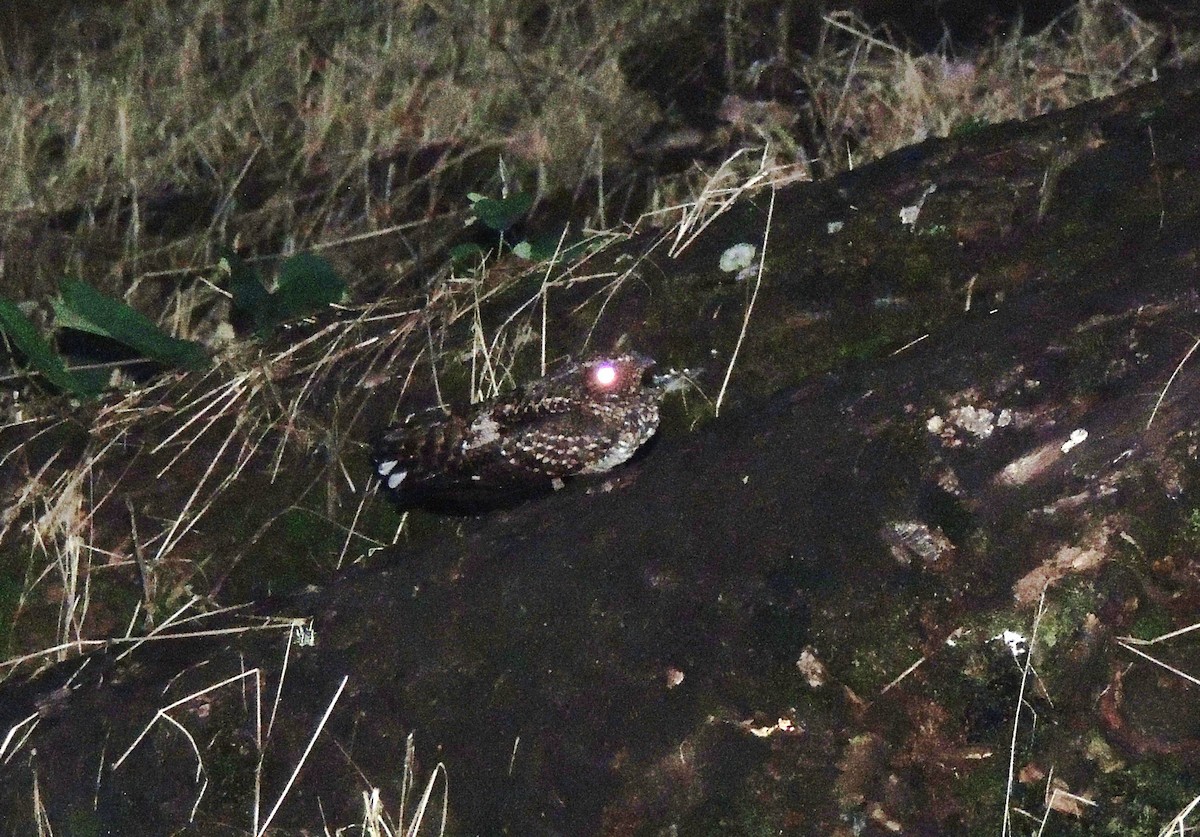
84	308
500	215
970	126
461	253
306	283
246	286
42	358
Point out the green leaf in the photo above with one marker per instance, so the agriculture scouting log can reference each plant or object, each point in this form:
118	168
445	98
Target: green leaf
87	309
306	283
543	248
42	358
66	317
466	252
502	214
245	284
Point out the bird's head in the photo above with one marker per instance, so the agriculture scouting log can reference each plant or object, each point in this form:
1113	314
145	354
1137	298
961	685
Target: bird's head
624	374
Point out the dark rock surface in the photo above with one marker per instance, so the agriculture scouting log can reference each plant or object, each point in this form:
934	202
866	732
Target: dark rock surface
712	640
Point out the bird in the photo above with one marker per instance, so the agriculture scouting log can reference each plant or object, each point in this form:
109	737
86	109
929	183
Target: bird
586	418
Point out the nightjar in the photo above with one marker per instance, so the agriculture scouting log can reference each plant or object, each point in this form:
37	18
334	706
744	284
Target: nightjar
586	418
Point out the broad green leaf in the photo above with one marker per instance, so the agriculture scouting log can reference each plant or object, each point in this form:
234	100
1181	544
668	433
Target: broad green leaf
65	317
306	283
93	311
545	247
41	357
499	215
465	252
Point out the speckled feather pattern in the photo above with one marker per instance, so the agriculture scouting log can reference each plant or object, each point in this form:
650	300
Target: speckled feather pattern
586	418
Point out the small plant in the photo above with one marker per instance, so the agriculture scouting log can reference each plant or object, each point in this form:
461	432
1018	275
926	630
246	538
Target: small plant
82	308
306	283
500	217
25	338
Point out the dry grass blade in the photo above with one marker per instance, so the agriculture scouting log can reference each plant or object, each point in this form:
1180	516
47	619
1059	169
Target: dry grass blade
375	822
716	198
161	714
1177	672
1161	637
762	261
171	537
1026	669
1178	826
30	723
422	806
1171	380
40	815
303	757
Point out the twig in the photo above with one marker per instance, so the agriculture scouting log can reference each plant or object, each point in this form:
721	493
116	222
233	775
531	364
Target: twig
1170	381
750	307
1006	828
303	757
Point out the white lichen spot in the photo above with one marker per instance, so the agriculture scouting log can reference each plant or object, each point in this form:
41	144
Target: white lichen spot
955	636
737	258
783	725
916	542
834	227
1016	642
978	422
909	214
1078	437
811	668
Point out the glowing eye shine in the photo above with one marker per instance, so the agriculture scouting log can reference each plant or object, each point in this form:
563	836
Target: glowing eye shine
605	374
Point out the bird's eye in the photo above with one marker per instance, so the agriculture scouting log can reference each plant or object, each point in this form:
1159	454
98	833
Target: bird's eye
605	374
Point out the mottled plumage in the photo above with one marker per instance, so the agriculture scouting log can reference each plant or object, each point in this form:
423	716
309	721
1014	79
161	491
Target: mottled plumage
584	419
